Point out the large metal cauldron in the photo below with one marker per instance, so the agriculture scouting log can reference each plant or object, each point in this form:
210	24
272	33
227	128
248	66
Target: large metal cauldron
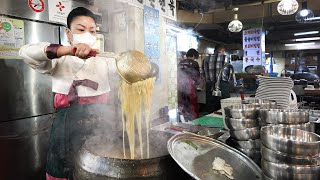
102	159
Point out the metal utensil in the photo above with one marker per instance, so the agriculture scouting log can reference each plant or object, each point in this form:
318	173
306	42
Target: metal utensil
242	111
246	134
213	133
197	162
290	141
283	116
284	171
239	124
132	66
278	157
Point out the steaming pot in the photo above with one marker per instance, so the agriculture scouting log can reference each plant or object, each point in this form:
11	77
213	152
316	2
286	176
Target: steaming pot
91	164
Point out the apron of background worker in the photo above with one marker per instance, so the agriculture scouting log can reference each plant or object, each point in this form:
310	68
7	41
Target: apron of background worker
188	78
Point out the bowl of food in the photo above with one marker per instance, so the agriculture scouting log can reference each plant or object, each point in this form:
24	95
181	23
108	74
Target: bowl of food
246	134
241	111
278	157
239	124
285	171
283	116
290	141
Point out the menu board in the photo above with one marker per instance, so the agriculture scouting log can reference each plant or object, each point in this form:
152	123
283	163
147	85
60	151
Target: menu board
253	46
166	8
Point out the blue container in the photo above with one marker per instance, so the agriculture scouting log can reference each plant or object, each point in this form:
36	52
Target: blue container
273	74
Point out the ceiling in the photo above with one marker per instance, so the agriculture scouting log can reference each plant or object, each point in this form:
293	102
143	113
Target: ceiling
206	6
279	28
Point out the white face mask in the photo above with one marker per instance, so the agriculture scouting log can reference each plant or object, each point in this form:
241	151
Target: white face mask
85	38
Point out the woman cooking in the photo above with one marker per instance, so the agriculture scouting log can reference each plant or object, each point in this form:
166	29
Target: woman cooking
81	88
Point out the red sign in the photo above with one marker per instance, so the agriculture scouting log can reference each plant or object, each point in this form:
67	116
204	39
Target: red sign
60	6
36	5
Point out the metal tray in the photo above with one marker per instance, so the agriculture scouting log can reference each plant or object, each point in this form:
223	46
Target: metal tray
178	128
198	162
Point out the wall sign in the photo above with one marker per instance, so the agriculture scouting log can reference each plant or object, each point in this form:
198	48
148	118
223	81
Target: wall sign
152	34
11	37
59	10
36	5
166	8
254	47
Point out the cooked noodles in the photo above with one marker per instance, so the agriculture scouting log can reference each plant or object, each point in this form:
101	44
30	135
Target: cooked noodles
134	98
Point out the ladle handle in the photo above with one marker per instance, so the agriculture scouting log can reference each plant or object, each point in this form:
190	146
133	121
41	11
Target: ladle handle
91	53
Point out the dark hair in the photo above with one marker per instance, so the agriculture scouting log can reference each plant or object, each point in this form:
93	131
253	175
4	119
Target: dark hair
192	53
79	11
219	47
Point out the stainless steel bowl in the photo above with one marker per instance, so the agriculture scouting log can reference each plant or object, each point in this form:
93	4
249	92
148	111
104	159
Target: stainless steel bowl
305	126
262	103
277	157
284	171
213	133
290	141
242	111
250	144
246	134
251	153
282	116
239	124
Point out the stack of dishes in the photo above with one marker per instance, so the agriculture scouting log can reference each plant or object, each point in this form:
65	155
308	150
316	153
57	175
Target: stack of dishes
289	153
243	124
298	119
275	89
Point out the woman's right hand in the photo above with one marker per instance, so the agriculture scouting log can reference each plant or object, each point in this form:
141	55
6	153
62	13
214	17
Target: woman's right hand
80	50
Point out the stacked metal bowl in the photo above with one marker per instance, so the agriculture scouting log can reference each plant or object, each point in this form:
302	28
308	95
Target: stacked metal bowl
242	122
289	153
298	119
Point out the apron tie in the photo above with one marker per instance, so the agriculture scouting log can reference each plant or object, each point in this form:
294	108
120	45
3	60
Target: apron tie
73	94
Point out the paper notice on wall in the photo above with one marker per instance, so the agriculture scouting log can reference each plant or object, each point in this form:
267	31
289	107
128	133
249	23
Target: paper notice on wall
152	34
11	37
59	10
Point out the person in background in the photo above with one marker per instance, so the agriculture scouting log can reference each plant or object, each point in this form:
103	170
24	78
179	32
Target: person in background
188	79
81	87
211	68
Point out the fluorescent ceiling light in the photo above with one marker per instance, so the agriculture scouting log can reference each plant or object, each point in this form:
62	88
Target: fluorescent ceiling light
308	39
313	18
300	44
306	33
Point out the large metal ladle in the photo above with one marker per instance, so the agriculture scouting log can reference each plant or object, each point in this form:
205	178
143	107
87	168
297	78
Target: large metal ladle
132	66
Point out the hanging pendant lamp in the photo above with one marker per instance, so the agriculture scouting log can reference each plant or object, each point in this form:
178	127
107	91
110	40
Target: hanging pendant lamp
304	14
288	7
235	25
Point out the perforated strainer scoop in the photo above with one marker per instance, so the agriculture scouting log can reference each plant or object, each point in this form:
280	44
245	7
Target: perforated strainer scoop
132	66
